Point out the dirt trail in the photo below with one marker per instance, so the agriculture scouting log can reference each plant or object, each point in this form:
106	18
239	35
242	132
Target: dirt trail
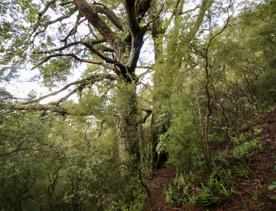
160	179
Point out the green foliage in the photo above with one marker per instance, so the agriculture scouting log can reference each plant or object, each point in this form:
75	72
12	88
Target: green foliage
50	163
272	187
72	163
256	195
245	143
265	88
207	197
243	60
241	171
56	70
210	187
182	139
181	189
245	149
237	65
190	189
272	190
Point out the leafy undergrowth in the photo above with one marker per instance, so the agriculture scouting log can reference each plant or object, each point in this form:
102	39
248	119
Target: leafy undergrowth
242	175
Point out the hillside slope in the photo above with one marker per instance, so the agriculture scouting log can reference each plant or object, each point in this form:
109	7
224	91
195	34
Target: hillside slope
251	193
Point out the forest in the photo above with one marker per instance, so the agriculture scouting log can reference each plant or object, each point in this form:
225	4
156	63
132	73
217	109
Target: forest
137	105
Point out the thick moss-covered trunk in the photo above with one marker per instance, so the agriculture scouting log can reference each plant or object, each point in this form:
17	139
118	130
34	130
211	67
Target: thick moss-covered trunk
128	127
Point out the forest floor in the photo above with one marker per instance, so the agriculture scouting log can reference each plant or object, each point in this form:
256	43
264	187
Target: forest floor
249	194
160	179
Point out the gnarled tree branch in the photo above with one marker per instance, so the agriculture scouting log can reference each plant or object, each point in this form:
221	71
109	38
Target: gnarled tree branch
89	80
33	107
46	59
131	18
110	15
93	18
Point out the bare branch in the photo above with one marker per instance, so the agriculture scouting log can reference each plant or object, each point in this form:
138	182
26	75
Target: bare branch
154	19
46	59
110	14
48	5
89	45
89	80
70	45
74	29
131	17
141	9
105	58
47	24
146	116
33	107
207	90
205	6
221	30
94	19
68	95
66	3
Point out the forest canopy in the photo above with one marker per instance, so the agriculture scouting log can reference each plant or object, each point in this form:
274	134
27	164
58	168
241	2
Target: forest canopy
132	85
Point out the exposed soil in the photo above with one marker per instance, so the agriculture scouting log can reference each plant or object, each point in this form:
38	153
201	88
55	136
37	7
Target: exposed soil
249	194
160	178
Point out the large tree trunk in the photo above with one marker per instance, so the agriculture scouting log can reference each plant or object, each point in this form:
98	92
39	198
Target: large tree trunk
129	135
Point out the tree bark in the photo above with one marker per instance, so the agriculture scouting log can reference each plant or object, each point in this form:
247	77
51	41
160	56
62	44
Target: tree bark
128	128
158	50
